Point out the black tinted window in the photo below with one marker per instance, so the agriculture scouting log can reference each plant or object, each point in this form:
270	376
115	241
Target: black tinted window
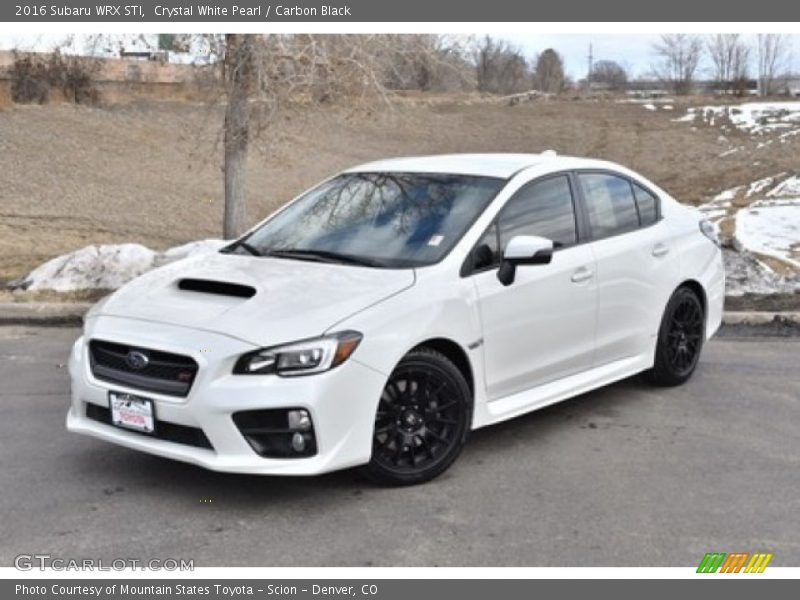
647	203
609	203
542	208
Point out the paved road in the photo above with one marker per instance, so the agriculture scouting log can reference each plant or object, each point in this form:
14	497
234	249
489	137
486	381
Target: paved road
625	476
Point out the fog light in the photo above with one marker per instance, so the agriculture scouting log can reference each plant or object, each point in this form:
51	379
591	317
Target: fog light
298	442
299	420
278	432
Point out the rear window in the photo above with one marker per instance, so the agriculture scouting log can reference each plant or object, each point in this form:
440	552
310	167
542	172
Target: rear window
610	204
647	204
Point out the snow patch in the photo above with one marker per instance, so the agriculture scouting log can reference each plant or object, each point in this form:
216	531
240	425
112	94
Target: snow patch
788	187
731	151
744	274
186	250
771	228
766	223
728	195
755	118
689	117
759	186
105	266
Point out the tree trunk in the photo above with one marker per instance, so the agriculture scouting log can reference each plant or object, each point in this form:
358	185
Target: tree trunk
239	74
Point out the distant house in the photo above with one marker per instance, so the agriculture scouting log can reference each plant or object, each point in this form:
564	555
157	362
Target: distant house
154	55
656	88
648	88
745	87
793	86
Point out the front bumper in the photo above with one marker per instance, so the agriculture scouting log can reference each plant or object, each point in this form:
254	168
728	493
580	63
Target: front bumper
342	402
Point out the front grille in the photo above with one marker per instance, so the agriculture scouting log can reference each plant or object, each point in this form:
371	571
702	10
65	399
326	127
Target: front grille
164	430
165	373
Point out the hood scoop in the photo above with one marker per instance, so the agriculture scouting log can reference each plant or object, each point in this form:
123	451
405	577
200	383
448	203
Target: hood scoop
220	288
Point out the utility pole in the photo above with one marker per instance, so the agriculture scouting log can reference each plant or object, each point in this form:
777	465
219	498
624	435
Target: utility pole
589	73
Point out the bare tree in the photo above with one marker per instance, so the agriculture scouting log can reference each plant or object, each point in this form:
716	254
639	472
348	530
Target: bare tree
610	73
426	62
241	76
266	75
730	57
772	53
499	66
679	55
548	76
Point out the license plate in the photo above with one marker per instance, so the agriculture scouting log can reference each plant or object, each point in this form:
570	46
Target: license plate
132	412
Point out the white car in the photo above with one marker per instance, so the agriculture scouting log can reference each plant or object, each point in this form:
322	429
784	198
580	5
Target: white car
382	315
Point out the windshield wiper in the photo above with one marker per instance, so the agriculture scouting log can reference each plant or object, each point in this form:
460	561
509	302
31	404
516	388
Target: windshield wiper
242	244
324	256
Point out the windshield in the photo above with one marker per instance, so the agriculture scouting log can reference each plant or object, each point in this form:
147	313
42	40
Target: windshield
377	219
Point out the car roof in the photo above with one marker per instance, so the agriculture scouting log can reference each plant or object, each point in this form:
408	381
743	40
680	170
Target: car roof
488	165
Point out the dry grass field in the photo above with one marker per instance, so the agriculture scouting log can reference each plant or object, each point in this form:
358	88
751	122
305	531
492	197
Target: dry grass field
150	172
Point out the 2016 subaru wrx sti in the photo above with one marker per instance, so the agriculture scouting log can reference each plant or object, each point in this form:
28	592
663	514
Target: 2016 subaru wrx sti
380	316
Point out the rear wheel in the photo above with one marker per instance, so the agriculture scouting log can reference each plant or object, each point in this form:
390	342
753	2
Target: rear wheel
680	339
422	420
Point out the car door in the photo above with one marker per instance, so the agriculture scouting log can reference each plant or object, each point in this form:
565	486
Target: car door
636	264
540	328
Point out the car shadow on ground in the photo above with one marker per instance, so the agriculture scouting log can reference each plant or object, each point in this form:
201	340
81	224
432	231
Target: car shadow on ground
121	469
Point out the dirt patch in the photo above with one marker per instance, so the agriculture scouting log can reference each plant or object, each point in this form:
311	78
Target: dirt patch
781	267
150	172
727	229
5	97
21	296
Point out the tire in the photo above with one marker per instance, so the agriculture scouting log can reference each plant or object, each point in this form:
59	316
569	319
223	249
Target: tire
422	421
680	339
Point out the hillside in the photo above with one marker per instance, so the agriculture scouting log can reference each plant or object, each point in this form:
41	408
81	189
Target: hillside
150	172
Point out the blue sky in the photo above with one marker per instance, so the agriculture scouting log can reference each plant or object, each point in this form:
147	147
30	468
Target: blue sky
634	52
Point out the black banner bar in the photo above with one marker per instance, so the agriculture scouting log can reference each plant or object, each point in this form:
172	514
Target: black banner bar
255	11
731	587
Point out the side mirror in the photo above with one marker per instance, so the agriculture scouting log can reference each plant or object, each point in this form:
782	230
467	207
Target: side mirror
524	250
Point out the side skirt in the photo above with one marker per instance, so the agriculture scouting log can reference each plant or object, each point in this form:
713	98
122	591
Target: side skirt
544	395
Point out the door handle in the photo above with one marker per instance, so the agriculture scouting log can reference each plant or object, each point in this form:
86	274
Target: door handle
660	250
581	274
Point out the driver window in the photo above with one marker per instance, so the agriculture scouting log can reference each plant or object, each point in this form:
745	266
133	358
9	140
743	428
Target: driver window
542	208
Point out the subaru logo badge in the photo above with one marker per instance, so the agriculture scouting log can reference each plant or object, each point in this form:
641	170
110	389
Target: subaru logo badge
137	360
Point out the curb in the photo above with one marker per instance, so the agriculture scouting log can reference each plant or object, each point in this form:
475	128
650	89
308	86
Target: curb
43	313
755	319
71	314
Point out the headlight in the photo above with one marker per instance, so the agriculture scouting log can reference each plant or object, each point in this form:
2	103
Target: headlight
300	358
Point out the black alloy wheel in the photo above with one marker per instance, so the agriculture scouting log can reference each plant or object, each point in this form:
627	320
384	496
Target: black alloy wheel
680	339
422	420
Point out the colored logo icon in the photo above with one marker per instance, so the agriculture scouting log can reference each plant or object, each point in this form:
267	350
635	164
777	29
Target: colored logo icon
737	562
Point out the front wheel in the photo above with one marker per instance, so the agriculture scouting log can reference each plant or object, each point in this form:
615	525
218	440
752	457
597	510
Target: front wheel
422	420
680	339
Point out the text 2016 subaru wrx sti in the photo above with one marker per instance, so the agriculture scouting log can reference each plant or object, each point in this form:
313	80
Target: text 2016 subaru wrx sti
379	317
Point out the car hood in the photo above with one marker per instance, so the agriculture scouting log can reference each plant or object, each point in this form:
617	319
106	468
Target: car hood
291	299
